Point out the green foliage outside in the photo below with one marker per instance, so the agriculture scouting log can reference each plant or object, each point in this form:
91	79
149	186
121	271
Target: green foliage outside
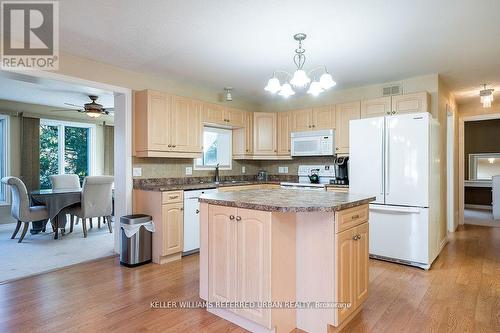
75	154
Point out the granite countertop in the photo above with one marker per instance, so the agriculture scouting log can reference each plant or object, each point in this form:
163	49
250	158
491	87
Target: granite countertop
287	200
200	186
337	185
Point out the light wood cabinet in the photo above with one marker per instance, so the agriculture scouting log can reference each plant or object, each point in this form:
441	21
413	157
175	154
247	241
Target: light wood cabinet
186	125
323	117
284	130
265	136
167	210
214	114
172	221
410	103
302	120
235	117
242	244
376	107
166	125
351	267
343	114
243	139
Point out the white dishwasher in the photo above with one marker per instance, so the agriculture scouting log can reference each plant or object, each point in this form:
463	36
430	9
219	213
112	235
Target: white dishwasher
192	220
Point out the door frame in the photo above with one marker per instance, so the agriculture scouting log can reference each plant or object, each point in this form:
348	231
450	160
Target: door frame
122	143
451	216
461	157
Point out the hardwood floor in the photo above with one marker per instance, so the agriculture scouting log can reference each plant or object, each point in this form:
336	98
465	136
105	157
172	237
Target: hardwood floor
461	293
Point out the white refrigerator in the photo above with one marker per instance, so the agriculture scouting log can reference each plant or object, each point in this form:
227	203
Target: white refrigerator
395	159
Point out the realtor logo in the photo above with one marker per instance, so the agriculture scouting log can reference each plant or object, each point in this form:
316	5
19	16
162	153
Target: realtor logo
30	35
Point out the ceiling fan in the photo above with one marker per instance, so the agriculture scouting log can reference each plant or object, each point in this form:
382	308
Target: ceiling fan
92	109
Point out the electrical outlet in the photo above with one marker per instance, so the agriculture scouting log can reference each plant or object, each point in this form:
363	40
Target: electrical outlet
243	169
281	169
137	172
189	171
285	169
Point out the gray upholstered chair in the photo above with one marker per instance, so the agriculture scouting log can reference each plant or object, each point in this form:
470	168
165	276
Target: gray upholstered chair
21	209
65	182
97	201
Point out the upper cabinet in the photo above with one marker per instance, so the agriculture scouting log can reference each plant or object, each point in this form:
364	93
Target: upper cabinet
219	115
161	122
410	103
284	130
243	139
313	119
344	113
376	107
265	134
323	117
302	120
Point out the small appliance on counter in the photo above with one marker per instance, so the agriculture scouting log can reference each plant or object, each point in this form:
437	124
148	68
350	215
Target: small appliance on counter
341	171
312	177
262	176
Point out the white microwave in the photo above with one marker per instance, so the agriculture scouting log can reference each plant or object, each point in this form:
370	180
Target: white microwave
313	143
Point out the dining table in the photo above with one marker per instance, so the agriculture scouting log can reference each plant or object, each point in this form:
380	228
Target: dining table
57	203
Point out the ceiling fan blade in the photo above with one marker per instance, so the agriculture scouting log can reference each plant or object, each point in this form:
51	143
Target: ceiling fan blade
63	110
78	106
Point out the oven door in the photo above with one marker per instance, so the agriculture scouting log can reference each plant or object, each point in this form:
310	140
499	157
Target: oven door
306	146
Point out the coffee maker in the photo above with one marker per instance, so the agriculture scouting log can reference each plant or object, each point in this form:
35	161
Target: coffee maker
341	171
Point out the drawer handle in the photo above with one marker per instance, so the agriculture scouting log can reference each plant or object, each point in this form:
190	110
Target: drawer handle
173	197
231	217
355	217
238	218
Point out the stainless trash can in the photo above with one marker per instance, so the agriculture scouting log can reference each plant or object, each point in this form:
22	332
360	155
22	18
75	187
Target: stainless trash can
136	250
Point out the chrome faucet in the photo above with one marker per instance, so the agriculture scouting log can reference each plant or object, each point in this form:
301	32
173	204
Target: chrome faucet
217	173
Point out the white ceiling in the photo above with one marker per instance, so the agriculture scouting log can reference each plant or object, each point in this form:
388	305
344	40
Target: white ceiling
239	43
27	89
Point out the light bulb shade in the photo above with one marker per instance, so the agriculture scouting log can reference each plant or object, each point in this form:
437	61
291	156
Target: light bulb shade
486	97
273	85
300	78
326	81
286	90
93	114
315	88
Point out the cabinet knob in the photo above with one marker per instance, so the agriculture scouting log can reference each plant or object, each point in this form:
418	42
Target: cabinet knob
356	237
197	211
337	148
169	145
393	112
231	217
182	208
275	150
309	126
314	126
238	218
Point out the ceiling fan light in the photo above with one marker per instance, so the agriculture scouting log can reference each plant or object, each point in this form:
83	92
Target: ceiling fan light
93	114
300	78
486	97
326	81
273	85
315	88
286	90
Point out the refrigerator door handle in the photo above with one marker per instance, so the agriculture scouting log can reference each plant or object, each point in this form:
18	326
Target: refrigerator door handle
387	155
382	160
409	210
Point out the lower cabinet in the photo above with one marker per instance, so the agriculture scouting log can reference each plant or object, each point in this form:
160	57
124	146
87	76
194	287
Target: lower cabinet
167	210
241	268
351	269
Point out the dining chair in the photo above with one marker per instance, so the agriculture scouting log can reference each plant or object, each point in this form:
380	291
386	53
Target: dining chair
96	201
65	182
21	209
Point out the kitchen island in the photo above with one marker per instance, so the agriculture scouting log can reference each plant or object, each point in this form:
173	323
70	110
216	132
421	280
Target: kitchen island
275	260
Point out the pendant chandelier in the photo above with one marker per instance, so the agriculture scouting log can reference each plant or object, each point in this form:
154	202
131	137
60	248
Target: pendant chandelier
486	96
300	78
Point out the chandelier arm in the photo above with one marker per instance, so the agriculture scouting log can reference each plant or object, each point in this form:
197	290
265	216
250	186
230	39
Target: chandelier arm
281	71
316	69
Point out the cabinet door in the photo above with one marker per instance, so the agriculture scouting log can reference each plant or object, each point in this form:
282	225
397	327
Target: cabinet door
222	253
234	117
265	133
254	263
214	114
343	114
324	117
376	107
302	120
410	103
173	228
284	129
159	114
249	133
186	125
345	263
361	246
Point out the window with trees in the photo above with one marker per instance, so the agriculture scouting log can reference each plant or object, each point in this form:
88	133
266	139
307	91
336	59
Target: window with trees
216	149
65	147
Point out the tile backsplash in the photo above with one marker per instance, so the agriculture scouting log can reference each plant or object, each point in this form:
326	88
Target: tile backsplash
176	167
